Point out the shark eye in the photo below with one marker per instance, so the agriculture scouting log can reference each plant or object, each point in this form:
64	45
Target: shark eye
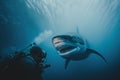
77	40
67	37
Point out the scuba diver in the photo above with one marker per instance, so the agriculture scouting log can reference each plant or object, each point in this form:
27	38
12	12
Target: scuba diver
25	66
39	56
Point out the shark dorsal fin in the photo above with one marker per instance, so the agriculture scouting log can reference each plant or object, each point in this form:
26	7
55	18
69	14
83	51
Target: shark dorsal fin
77	30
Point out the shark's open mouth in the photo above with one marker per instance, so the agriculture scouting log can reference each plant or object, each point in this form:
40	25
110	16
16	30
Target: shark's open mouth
64	49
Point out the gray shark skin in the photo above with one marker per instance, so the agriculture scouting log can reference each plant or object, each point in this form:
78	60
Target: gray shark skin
72	47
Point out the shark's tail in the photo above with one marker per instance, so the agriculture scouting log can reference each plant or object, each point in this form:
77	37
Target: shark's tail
95	52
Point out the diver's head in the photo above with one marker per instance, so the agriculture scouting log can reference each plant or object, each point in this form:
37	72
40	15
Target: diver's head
37	53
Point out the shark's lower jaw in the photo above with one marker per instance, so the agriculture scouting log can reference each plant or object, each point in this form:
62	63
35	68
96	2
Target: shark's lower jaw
70	52
67	49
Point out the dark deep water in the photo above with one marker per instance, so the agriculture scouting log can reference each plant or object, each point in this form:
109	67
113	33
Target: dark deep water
25	21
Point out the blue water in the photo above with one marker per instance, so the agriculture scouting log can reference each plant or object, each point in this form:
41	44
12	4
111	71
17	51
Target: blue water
26	21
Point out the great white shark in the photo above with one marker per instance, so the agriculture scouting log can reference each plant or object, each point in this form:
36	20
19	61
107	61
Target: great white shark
73	47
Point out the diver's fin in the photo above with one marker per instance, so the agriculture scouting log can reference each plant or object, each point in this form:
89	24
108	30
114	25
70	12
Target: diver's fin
66	63
95	52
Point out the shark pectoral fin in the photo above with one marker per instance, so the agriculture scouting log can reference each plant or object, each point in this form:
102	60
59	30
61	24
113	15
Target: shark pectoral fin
95	52
66	63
